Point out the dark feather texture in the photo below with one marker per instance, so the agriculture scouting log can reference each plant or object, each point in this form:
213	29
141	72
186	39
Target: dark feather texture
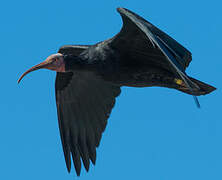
89	78
140	55
84	116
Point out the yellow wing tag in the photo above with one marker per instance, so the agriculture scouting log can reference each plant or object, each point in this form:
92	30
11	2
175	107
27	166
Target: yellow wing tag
178	81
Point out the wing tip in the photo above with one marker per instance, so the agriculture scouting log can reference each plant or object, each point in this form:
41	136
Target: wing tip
78	171
121	10
68	167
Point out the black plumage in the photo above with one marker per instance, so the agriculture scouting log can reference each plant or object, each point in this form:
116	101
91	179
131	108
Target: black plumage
140	55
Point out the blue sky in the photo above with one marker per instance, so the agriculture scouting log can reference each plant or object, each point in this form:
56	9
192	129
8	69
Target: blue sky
153	133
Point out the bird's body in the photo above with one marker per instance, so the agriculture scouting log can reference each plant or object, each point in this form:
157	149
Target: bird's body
105	62
89	78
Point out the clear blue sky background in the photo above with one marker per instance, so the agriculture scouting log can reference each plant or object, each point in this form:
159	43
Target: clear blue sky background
153	133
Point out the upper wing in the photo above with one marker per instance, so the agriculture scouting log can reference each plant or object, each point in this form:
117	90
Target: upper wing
148	42
83	107
143	42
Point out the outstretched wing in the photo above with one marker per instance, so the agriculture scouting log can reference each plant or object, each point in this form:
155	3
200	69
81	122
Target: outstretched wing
83	107
141	41
144	39
84	104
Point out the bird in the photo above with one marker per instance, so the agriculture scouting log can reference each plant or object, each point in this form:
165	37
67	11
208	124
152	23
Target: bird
89	79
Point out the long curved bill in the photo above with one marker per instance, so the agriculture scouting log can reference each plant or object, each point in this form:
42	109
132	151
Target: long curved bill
36	67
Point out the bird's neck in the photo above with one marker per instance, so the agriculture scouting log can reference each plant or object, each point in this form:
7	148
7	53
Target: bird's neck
74	62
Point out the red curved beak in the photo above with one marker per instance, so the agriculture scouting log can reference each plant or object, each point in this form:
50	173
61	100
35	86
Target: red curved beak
36	67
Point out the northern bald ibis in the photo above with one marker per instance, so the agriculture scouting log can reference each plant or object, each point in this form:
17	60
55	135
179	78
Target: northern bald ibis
89	78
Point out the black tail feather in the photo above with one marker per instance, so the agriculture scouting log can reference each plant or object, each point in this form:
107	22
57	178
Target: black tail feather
203	88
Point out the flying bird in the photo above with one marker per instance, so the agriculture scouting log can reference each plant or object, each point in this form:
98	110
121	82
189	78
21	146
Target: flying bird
89	78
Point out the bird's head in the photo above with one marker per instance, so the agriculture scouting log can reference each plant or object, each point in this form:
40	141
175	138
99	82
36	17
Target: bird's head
54	62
